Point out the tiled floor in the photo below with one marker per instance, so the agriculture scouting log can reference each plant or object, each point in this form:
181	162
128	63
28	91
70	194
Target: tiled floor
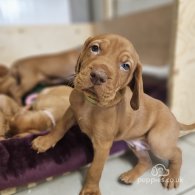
71	184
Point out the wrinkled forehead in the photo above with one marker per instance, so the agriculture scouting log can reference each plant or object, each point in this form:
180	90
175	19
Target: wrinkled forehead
115	44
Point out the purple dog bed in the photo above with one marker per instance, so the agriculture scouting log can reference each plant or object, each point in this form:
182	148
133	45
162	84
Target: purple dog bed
20	164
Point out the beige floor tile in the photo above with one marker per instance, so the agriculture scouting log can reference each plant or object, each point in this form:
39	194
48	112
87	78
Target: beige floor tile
190	139
189	192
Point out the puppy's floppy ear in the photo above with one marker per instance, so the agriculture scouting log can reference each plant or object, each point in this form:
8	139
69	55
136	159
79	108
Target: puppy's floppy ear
137	87
78	64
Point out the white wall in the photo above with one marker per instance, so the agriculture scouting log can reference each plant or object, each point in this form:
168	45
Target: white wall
122	7
127	6
28	12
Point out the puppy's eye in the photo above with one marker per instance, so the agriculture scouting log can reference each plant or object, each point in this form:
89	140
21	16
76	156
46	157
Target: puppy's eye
95	49
125	66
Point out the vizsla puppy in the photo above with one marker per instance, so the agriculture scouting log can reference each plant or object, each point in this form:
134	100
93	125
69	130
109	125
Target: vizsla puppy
45	113
109	103
49	69
8	84
8	108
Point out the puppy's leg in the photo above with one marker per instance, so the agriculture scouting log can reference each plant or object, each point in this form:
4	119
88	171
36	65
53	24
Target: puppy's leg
144	163
164	146
43	143
101	152
172	180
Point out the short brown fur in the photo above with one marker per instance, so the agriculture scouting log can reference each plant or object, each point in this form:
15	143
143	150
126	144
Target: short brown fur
8	109
47	69
111	110
8	84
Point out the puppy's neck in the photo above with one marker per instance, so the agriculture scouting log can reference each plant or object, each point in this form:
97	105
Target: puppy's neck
118	97
91	100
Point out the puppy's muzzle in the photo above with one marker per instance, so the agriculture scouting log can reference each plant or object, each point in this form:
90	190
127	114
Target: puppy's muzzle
98	77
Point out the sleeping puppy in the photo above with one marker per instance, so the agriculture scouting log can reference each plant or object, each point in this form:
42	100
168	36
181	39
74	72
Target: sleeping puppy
47	69
8	84
8	108
45	113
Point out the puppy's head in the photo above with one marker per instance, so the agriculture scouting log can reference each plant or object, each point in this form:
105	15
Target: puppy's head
23	120
26	120
106	65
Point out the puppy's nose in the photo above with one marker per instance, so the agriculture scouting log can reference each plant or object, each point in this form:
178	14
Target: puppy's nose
98	77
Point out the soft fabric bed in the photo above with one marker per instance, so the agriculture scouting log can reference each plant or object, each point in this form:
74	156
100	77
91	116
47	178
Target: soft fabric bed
21	165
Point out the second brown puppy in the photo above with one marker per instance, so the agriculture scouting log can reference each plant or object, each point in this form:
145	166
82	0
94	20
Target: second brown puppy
48	69
46	113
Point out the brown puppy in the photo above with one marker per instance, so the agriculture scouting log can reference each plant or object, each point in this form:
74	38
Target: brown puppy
49	69
45	113
8	84
8	108
107	109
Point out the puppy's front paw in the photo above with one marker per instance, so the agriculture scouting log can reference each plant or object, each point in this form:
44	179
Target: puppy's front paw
129	177
42	143
90	191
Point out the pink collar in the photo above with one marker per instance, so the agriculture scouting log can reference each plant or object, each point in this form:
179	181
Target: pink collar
50	116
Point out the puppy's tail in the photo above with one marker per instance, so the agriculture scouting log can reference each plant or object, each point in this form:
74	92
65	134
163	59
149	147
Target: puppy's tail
185	127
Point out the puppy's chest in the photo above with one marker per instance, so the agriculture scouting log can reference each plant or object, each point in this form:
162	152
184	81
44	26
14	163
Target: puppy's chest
86	120
93	121
3	88
85	123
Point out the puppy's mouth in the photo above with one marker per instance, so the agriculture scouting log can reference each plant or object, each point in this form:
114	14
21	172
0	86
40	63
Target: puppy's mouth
91	92
99	93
